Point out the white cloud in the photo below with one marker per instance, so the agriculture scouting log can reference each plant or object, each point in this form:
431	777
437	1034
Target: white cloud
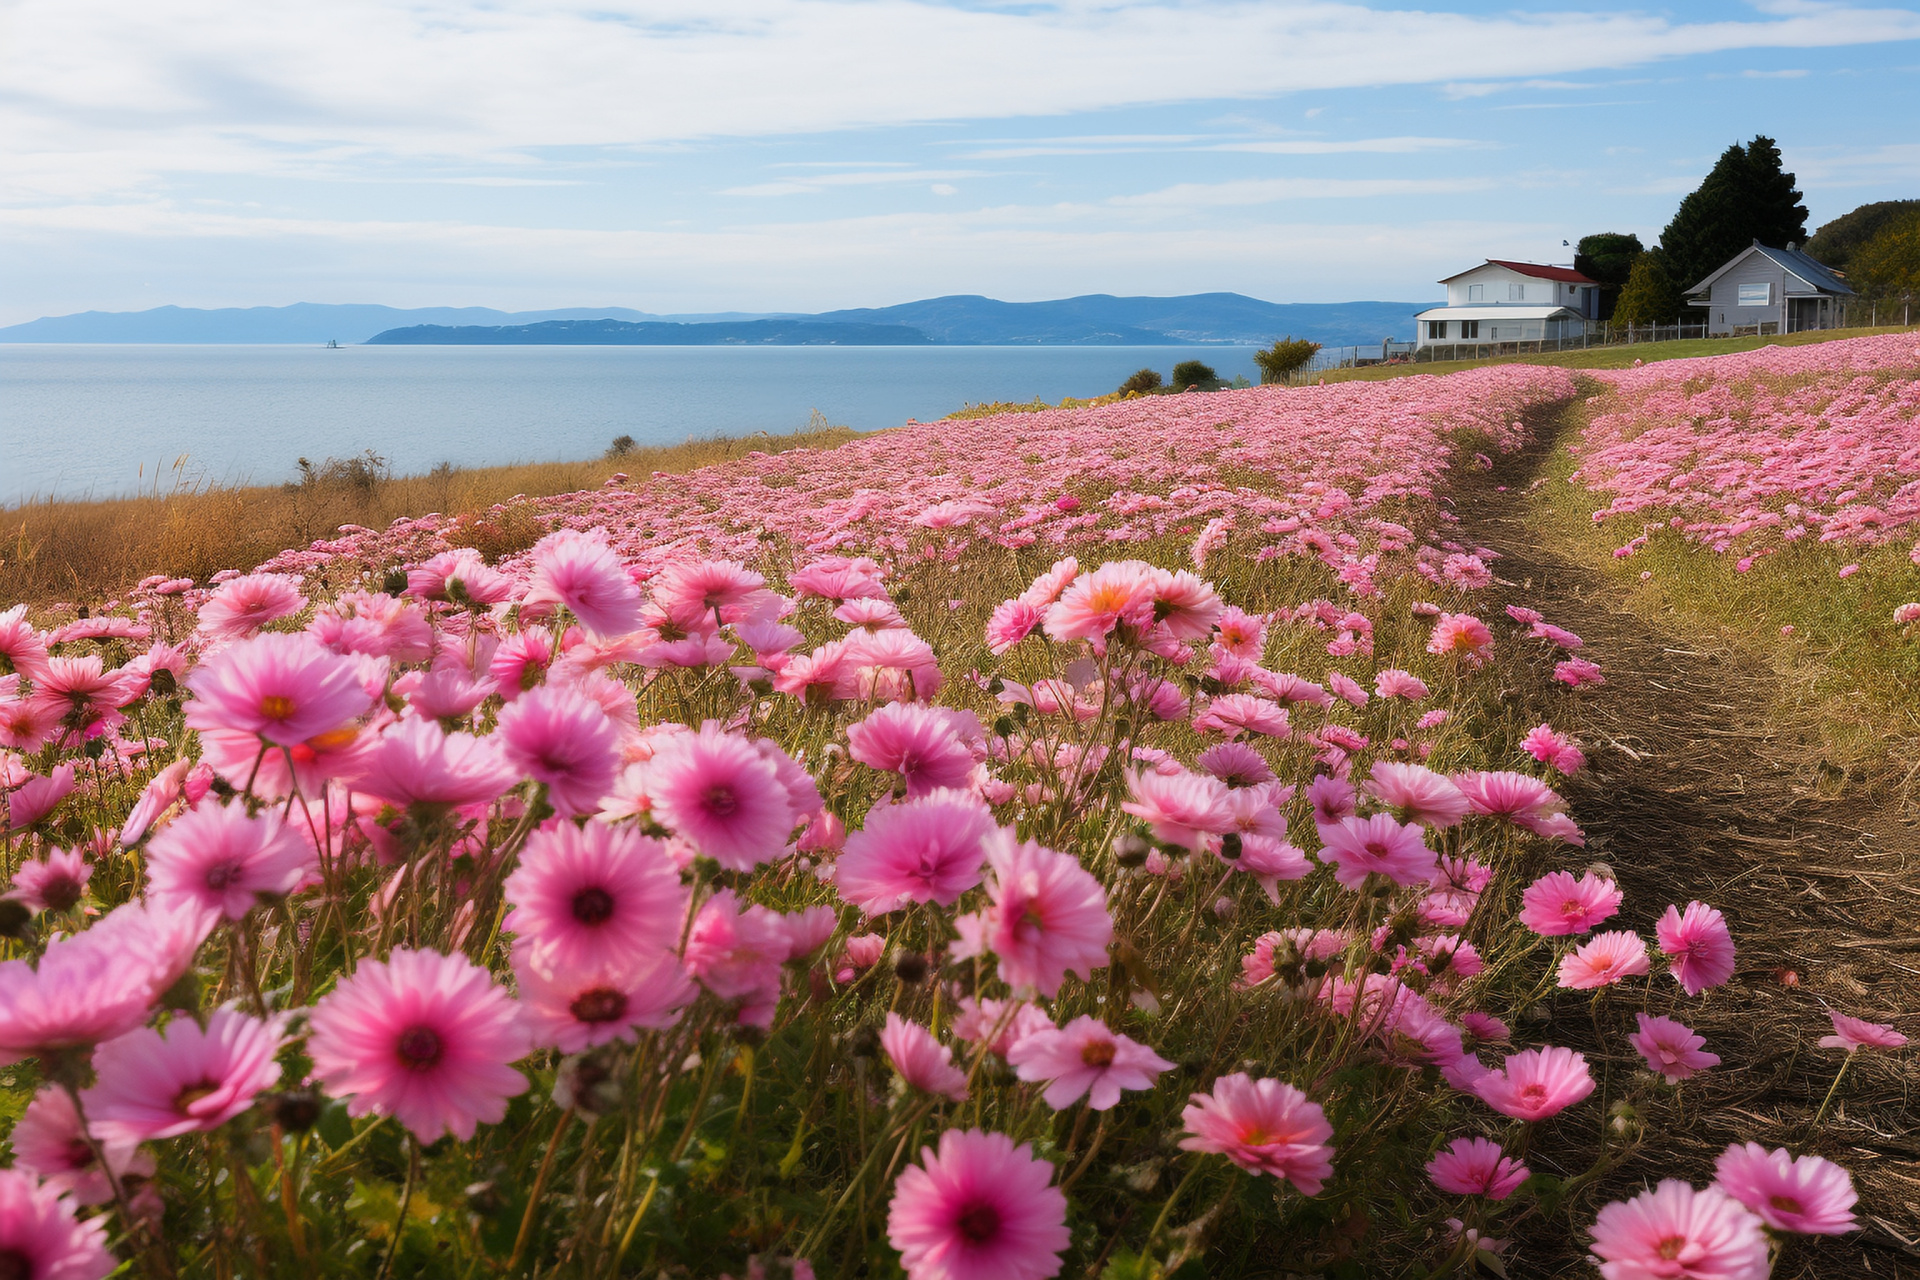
856	178
1254	191
1794	73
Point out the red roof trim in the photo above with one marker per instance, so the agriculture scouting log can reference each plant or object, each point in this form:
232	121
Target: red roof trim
1568	274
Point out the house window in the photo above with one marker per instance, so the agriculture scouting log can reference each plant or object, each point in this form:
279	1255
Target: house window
1436	330
1516	293
1756	295
1469	328
1476	293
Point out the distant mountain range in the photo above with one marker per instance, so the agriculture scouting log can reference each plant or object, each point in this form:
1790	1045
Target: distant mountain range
1093	320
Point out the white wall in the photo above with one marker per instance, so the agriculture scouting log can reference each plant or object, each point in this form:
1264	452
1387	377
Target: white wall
1498	285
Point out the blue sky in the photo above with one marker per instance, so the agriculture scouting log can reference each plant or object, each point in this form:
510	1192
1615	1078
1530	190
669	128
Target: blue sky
703	155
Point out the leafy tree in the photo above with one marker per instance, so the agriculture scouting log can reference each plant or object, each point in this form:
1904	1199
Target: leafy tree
621	446
1650	295
1888	266
1608	259
1836	242
1193	373
1746	197
1283	357
1143	381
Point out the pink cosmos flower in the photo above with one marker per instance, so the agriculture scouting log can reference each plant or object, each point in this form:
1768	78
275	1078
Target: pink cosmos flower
1698	946
1677	1233
1578	672
1264	1126
374	623
839	578
583	897
39	1235
1535	1084
706	593
1236	713
870	615
918	742
1182	808
419	763
1555	750
1395	683
923	1062
1855	1033
1419	794
27	724
1505	794
56	882
1047	916
239	607
521	662
22	648
160	794
928	849
577	1007
152	1084
563	738
221	859
282	689
1604	959
979	1208
459	575
1011	622
48	1141
580	571
887	666
1242	634
1360	847
1345	686
37	797
736	949
1116	593
1235	763
1808	1195
724	795
424	1037
1671	1048
84	990
1463	634
1332	799
1557	906
1476	1167
1085	1057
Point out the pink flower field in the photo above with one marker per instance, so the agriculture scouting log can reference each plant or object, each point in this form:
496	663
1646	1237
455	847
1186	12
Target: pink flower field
1091	842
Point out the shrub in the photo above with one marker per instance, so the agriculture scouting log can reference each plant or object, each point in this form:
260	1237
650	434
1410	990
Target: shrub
622	446
1284	357
1194	373
1142	381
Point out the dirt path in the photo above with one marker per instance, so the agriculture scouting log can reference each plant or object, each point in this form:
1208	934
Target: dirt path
1695	792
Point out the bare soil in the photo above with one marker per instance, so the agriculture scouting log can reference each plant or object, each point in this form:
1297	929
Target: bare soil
1697	789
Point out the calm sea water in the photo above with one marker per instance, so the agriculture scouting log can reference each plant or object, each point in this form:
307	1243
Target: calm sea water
105	420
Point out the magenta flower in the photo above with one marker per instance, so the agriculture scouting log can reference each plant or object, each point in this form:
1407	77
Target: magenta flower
221	859
37	797
1418	794
583	897
56	882
48	1141
581	572
1047	916
23	650
564	739
1181	808
1264	1126
239	607
1677	1233
277	688
1805	1195
922	1062
736	949
1505	794
1360	847
925	850
1011	622
724	796
1535	1084
1476	1167
86	989
1698	946
1855	1033
419	763
1114	594
1085	1059
1556	905
579	1007
424	1037
979	1208
1604	959
152	1084
41	1239
704	594
1233	714
920	743
1461	634
1670	1048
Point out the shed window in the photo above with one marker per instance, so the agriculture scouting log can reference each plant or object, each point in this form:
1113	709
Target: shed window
1476	293
1756	295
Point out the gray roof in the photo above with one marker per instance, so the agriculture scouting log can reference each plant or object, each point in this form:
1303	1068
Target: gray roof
1793	261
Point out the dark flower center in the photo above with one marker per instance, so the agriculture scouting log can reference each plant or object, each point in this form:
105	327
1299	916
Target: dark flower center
1534	1093
593	905
419	1048
220	875
721	801
1670	1248
978	1224
60	894
602	1004
1097	1053
184	1100
1787	1204
15	1265
78	1155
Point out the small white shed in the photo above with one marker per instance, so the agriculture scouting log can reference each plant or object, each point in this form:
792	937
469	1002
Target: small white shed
1766	290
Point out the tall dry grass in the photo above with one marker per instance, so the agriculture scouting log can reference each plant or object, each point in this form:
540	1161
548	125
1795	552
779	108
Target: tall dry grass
89	551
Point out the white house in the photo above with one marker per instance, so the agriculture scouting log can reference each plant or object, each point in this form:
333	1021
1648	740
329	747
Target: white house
1500	301
1771	290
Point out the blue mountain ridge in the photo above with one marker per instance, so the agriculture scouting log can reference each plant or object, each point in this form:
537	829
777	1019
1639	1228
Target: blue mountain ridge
1095	319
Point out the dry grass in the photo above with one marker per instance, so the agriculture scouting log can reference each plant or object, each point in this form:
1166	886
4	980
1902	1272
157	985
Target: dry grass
93	550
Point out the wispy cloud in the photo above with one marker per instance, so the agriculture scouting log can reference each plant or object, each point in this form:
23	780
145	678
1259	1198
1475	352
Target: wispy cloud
855	178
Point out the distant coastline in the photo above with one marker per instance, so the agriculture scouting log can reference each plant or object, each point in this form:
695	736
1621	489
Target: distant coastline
655	333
